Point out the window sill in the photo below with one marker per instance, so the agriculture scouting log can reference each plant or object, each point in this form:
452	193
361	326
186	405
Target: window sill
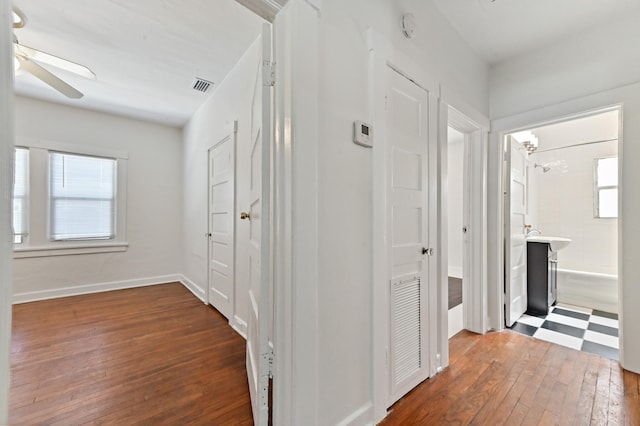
69	249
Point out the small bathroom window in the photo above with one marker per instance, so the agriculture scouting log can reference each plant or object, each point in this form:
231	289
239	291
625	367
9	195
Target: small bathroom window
606	188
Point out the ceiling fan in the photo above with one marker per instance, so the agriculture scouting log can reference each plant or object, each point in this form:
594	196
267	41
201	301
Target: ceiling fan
29	60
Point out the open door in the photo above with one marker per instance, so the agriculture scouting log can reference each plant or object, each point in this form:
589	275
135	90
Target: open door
258	215
515	256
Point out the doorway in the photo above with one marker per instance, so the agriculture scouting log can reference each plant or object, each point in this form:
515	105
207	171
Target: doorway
570	212
456	237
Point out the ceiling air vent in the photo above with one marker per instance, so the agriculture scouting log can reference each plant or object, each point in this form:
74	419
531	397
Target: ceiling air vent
201	85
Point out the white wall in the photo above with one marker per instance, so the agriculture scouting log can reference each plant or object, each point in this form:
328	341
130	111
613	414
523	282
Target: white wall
230	101
602	58
589	70
344	186
455	174
565	193
154	208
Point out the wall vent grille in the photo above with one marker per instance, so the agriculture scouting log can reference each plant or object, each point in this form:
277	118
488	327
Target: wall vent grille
201	85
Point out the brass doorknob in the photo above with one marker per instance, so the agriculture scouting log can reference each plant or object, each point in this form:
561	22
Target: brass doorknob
245	215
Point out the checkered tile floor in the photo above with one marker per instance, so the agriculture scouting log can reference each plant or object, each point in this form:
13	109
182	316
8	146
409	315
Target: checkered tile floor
577	328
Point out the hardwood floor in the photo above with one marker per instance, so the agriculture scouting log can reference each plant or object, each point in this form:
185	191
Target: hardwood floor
158	356
511	379
152	355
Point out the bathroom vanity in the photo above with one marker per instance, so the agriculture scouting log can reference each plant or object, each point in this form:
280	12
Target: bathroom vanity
542	272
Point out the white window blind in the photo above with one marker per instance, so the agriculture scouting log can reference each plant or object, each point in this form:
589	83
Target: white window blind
606	191
21	195
82	197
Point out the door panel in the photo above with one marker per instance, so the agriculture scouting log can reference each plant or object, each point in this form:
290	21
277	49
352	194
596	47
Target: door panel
222	224
407	126
515	244
258	324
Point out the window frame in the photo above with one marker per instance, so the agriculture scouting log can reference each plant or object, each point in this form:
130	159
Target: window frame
597	188
53	198
19	239
39	243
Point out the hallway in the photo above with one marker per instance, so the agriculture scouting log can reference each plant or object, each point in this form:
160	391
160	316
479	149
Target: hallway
507	378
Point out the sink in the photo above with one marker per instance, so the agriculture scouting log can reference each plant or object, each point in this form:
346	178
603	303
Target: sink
555	243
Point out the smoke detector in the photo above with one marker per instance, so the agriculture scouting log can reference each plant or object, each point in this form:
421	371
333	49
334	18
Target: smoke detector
408	25
201	85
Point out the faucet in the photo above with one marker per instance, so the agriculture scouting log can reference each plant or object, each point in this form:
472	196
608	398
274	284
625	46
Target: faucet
530	230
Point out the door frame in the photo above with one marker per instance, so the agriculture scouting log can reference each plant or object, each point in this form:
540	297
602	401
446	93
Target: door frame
382	56
475	127
6	188
231	134
545	116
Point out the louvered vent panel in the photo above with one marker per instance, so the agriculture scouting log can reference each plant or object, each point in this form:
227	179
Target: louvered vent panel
407	344
201	85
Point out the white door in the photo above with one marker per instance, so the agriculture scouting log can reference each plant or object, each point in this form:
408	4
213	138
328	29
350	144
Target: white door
407	127
222	223
258	216
515	258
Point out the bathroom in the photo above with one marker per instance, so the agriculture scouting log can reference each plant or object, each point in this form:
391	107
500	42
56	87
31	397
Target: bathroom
571	191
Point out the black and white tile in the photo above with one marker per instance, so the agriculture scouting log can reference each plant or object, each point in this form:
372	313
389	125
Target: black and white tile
578	328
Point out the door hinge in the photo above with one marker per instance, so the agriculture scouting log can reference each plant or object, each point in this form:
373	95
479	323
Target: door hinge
268	358
268	74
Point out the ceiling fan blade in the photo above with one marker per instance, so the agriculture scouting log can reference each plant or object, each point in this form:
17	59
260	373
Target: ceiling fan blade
46	58
48	78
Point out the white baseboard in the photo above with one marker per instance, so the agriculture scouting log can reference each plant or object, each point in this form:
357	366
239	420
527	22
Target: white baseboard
194	288
33	296
239	325
455	320
363	416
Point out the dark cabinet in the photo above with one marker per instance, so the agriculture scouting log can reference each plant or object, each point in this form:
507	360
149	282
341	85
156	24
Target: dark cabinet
542	273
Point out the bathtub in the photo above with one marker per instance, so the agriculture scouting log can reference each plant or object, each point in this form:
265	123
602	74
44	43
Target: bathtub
588	289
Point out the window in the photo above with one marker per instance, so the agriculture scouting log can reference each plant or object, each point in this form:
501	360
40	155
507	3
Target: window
20	195
606	187
69	199
82	197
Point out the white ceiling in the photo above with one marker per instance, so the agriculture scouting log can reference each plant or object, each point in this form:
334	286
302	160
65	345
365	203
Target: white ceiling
500	29
145	53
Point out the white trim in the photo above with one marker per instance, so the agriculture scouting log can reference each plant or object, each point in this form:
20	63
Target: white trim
295	385
56	293
239	325
71	148
6	179
360	417
194	288
66	249
474	276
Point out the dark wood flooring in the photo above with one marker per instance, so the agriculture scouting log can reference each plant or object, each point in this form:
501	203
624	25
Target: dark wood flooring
455	292
146	356
158	356
509	379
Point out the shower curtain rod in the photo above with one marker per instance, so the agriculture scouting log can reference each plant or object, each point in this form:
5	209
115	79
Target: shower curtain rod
573	146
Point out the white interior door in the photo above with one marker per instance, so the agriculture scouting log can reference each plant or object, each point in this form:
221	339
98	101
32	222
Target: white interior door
407	127
258	214
222	223
515	245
